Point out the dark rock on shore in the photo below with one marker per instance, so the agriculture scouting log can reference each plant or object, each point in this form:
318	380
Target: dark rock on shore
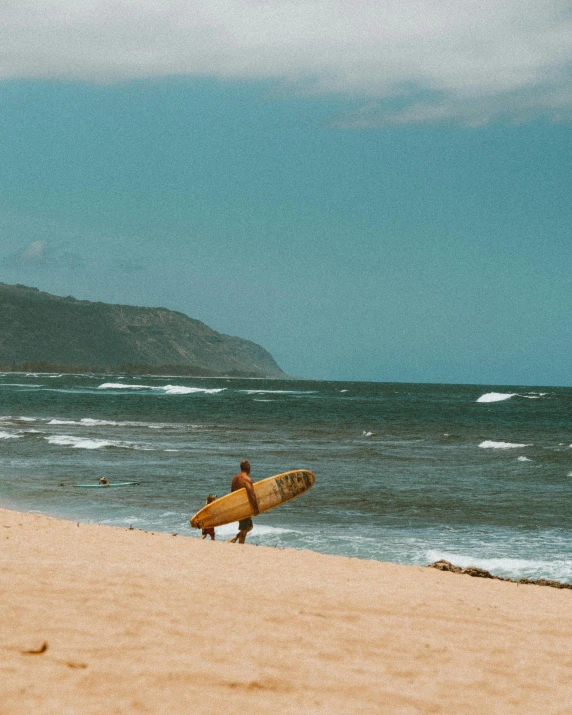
443	565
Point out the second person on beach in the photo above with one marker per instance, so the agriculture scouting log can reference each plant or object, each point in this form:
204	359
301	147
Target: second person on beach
210	531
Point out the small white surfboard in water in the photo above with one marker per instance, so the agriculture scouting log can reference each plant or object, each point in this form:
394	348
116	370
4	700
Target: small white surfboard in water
104	486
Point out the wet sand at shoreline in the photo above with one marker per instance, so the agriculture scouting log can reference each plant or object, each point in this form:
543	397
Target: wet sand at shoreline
125	621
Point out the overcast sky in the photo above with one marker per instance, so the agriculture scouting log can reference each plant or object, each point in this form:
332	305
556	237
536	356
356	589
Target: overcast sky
375	190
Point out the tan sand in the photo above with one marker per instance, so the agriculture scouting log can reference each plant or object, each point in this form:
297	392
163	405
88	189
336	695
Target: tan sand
152	623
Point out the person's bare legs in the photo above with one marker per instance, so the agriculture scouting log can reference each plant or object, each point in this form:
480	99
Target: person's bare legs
241	536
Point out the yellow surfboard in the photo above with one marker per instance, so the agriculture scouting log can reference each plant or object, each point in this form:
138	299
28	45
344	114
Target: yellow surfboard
270	492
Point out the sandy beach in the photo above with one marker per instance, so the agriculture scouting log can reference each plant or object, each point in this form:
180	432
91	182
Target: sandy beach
105	620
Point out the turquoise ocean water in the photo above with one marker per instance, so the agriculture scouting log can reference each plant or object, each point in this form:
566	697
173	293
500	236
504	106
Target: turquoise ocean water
407	473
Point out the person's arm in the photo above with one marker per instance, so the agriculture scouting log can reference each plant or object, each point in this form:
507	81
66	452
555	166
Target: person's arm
252	498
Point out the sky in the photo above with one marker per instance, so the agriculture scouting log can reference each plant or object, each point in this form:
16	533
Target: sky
371	191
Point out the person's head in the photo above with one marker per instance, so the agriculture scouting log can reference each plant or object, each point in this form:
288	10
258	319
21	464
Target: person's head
211	498
245	466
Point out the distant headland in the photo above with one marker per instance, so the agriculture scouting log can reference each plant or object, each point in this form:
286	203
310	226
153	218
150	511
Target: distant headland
41	332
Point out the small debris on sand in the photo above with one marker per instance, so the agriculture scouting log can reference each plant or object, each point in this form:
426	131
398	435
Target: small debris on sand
36	651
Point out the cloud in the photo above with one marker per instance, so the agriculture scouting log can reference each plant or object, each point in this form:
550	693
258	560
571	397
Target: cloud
35	252
404	61
42	254
48	248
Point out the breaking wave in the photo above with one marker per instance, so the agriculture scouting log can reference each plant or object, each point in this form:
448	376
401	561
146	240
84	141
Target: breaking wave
11	420
259	531
489	444
166	389
90	422
120	386
88	443
501	396
180	390
496	396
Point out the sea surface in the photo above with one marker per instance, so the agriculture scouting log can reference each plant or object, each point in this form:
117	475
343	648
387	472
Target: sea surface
408	473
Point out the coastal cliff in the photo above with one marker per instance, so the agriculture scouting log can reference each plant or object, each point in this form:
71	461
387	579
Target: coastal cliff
37	327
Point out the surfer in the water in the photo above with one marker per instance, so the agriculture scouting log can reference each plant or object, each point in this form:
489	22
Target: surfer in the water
104	481
239	481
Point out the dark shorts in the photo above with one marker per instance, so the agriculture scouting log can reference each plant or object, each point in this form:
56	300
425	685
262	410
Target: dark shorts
245	524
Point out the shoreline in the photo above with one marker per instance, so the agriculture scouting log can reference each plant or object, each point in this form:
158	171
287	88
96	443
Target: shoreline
109	619
442	564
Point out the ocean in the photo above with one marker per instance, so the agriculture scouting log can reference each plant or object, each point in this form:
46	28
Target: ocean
407	473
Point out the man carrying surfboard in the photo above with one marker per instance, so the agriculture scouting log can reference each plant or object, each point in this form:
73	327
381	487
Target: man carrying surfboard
240	481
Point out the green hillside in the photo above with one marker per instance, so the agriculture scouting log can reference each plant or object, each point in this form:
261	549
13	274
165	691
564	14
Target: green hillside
40	327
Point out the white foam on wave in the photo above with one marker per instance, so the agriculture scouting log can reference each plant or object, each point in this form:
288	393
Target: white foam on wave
89	422
167	389
18	384
279	392
173	426
180	390
261	530
121	521
9	418
87	443
501	396
523	459
119	386
9	435
489	444
496	396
